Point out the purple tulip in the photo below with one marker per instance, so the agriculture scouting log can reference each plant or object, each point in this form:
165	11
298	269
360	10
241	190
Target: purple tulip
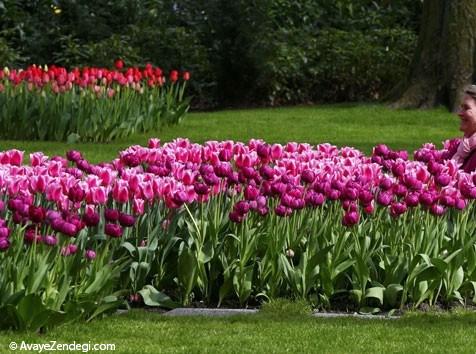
398	169
211	179
460	204
377	159
111	215
261	201
468	191
437	209
50	240
248	172
4	232
4	244
263	151
365	196
315	199
427	199
350	218
385	183
113	230
397	209
131	160
307	176
266	172
232	179
278	188
412	199
283	211
297	203
287	200
201	188
251	193
349	205
333	194
17	218
369	209
69	229
262	211
15	204
412	182
434	167
402	154
74	156
126	220
225	155
31	236
76	194
384	198
52	214
83	165
447	201
381	150
205	169
443	179
69	249
180	197
242	207
90	255
338	185
350	194
36	214
91	218
400	190
223	169
235	217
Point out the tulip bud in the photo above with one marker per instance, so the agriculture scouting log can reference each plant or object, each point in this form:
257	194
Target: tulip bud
397	208
50	240
126	220
251	192
282	210
113	230
119	64
91	218
4	244
74	156
235	217
350	218
111	215
36	214
90	255
307	176
4	232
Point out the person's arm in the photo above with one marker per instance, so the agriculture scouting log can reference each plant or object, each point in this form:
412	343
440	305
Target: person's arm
469	164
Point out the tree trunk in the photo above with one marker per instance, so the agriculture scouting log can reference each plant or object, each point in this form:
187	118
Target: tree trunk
445	59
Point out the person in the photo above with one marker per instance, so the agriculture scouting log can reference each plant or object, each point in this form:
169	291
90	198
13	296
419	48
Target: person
465	154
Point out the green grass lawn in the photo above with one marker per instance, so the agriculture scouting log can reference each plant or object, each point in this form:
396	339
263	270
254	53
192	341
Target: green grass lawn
269	332
360	126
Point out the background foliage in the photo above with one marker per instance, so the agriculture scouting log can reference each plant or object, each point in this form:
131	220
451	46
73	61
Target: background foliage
240	52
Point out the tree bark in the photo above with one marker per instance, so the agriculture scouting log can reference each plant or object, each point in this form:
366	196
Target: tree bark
444	60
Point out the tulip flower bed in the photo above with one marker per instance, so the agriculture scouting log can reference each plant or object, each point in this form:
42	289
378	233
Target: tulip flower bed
88	104
228	221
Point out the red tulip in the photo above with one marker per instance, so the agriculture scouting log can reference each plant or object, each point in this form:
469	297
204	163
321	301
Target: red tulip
174	75
119	64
